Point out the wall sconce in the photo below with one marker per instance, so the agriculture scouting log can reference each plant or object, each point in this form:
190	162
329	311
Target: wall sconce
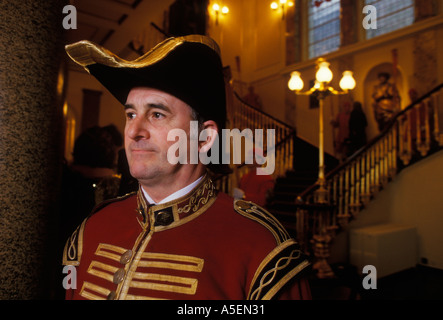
216	7
322	89
284	4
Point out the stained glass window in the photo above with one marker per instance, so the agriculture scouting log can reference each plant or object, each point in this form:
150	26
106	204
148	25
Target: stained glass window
391	15
324	27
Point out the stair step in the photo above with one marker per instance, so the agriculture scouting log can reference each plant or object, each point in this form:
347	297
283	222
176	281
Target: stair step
285	195
301	174
285	206
306	181
289	189
283	215
300	181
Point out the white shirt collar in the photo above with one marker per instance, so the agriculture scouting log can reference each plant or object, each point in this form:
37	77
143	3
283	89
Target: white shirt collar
178	194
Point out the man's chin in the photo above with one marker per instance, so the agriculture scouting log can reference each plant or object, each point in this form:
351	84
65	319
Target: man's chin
145	174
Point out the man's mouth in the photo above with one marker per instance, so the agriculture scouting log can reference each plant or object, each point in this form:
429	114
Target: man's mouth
142	150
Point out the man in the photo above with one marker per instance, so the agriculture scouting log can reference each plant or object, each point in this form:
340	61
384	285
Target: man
177	237
341	141
253	99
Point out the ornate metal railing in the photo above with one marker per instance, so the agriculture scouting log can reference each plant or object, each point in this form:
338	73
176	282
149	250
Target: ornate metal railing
412	134
245	116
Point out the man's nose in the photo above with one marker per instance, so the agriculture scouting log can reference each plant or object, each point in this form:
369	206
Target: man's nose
138	129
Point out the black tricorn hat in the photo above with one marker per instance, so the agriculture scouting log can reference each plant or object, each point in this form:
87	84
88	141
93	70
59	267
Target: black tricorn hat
188	67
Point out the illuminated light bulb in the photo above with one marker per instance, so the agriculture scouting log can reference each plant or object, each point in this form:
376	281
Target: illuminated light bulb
282	1
290	4
65	109
216	7
324	74
225	10
296	82
348	81
274	5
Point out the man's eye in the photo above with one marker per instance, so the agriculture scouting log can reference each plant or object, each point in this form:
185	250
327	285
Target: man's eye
157	115
130	115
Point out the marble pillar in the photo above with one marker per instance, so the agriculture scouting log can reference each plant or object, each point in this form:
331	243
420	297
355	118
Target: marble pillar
31	54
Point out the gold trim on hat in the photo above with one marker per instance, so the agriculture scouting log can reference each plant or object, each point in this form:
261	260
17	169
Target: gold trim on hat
86	53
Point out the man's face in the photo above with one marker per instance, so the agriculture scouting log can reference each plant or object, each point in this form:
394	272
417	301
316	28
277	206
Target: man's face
150	115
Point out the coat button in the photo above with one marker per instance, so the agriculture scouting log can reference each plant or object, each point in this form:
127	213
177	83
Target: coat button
119	275
163	218
126	257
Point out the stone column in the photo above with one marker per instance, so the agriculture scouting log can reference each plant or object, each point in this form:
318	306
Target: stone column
31	89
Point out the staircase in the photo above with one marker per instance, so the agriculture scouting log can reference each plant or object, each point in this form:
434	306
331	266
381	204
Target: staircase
243	116
303	175
413	134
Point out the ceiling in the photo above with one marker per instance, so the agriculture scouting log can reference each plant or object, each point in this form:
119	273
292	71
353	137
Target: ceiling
115	24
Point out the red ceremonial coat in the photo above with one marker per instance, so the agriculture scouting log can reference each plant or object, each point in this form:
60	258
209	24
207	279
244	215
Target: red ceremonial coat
202	246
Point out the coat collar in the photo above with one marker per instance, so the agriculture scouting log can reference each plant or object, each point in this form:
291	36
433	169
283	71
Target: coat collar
176	212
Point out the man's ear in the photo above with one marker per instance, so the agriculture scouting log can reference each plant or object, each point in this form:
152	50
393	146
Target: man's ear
209	134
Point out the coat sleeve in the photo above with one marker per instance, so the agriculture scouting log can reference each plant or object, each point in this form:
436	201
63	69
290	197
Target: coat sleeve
281	274
284	265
